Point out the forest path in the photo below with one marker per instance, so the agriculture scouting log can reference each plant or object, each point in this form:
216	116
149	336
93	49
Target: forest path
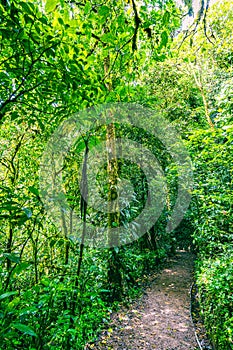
161	318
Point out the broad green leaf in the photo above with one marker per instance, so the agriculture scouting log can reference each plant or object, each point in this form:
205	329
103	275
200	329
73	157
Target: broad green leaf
51	4
34	190
166	17
104	10
164	38
87	7
14	115
60	20
24	329
12	257
26	7
21	267
6	295
12	304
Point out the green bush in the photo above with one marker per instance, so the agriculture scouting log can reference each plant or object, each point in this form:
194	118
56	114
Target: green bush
215	281
211	213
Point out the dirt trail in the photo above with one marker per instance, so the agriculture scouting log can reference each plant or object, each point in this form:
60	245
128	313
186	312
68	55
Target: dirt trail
160	319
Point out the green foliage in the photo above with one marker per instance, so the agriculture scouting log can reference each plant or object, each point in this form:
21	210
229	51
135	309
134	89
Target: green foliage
58	57
212	194
211	214
215	280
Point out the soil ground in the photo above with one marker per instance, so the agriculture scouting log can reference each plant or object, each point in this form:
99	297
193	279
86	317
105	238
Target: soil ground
161	318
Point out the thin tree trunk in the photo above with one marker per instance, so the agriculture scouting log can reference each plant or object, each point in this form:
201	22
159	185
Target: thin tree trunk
114	264
199	84
83	205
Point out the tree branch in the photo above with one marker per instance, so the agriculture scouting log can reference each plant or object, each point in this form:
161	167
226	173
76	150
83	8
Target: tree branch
137	21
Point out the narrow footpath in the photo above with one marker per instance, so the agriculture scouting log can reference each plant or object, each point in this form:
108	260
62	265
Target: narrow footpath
161	318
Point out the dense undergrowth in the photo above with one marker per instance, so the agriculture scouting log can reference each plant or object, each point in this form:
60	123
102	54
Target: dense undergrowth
39	316
214	231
